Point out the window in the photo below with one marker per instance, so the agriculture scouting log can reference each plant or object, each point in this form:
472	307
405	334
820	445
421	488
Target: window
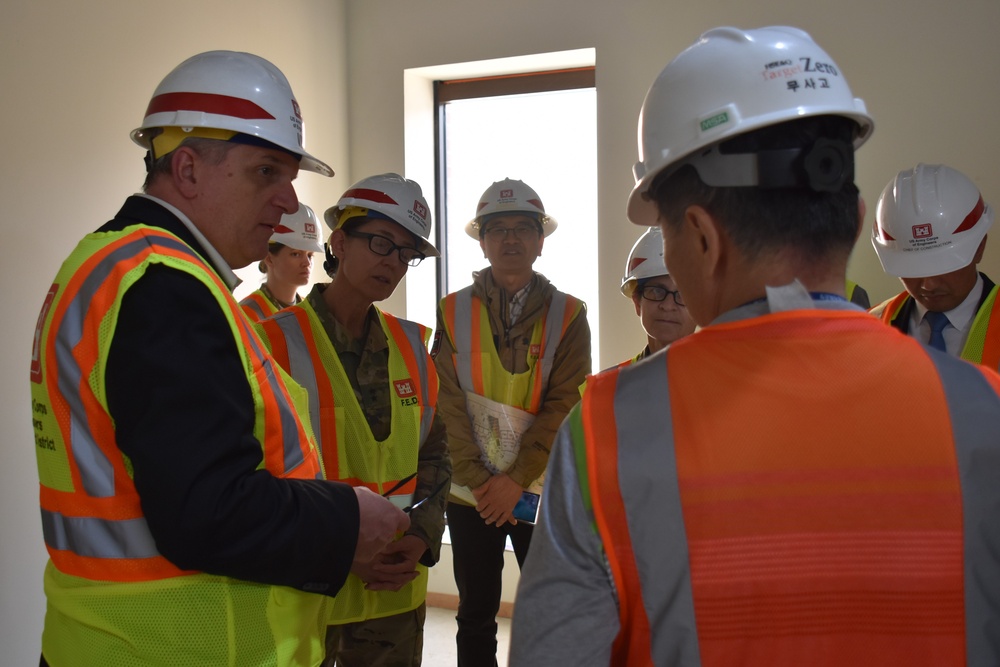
539	128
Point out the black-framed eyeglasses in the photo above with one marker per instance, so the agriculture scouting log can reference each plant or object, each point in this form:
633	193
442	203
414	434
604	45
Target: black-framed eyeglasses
521	232
380	245
659	293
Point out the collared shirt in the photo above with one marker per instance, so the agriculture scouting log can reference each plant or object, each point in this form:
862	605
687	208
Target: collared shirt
218	263
960	318
516	305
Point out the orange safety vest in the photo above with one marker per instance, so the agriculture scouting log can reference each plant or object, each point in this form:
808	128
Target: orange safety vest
350	452
772	536
257	306
477	364
983	343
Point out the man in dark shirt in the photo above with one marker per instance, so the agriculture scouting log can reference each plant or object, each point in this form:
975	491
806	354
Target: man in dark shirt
212	531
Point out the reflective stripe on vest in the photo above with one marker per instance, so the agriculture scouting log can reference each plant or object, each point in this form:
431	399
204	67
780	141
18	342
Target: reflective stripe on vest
977	453
257	306
468	321
887	310
91	515
797	508
300	343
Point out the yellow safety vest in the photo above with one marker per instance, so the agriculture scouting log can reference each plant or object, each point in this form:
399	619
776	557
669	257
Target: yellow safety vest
477	363
112	598
350	451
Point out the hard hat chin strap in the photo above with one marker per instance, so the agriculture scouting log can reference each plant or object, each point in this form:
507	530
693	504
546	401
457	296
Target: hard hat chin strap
825	166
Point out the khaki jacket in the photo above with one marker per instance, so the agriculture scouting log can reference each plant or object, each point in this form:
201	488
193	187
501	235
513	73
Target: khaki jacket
570	368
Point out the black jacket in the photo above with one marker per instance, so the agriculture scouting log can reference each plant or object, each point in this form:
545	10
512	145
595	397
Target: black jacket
184	417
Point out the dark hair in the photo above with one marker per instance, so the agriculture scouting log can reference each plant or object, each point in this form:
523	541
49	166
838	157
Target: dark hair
274	249
760	219
213	151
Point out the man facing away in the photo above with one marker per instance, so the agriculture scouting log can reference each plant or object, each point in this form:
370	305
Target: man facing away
930	232
183	504
512	351
735	500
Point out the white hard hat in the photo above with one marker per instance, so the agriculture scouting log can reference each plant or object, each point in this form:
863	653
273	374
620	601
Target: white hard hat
300	230
644	261
511	196
219	94
929	221
394	197
730	82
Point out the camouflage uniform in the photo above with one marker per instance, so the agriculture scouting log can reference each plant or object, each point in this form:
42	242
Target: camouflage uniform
394	640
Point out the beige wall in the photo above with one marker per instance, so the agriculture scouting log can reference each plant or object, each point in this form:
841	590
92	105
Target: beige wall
76	77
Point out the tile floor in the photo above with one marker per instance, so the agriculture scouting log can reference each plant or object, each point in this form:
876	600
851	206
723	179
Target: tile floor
439	638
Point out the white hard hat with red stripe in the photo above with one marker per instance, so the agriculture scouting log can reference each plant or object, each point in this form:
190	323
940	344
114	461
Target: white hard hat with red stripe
387	196
300	230
222	94
929	221
510	196
644	261
728	83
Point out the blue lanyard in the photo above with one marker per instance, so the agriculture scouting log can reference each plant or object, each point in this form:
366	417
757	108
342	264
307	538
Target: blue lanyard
815	296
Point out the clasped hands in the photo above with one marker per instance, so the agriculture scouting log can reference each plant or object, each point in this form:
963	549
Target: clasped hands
393	567
495	500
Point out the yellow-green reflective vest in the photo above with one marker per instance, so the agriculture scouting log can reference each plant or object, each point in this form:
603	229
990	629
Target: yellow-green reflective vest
350	451
112	598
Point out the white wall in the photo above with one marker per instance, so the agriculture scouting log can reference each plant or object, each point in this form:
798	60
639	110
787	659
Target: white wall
76	78
924	68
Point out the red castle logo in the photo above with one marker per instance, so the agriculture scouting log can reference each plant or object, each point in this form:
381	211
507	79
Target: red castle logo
506	194
922	231
420	209
404	388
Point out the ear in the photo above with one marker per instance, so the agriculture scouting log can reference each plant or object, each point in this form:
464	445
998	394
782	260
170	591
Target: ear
337	240
979	251
541	242
635	302
482	245
184	169
709	240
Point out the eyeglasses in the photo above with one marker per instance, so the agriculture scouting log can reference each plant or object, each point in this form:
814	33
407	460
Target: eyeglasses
659	293
521	232
383	246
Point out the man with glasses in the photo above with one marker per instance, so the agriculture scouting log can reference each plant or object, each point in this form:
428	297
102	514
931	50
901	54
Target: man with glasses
654	294
511	351
373	397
